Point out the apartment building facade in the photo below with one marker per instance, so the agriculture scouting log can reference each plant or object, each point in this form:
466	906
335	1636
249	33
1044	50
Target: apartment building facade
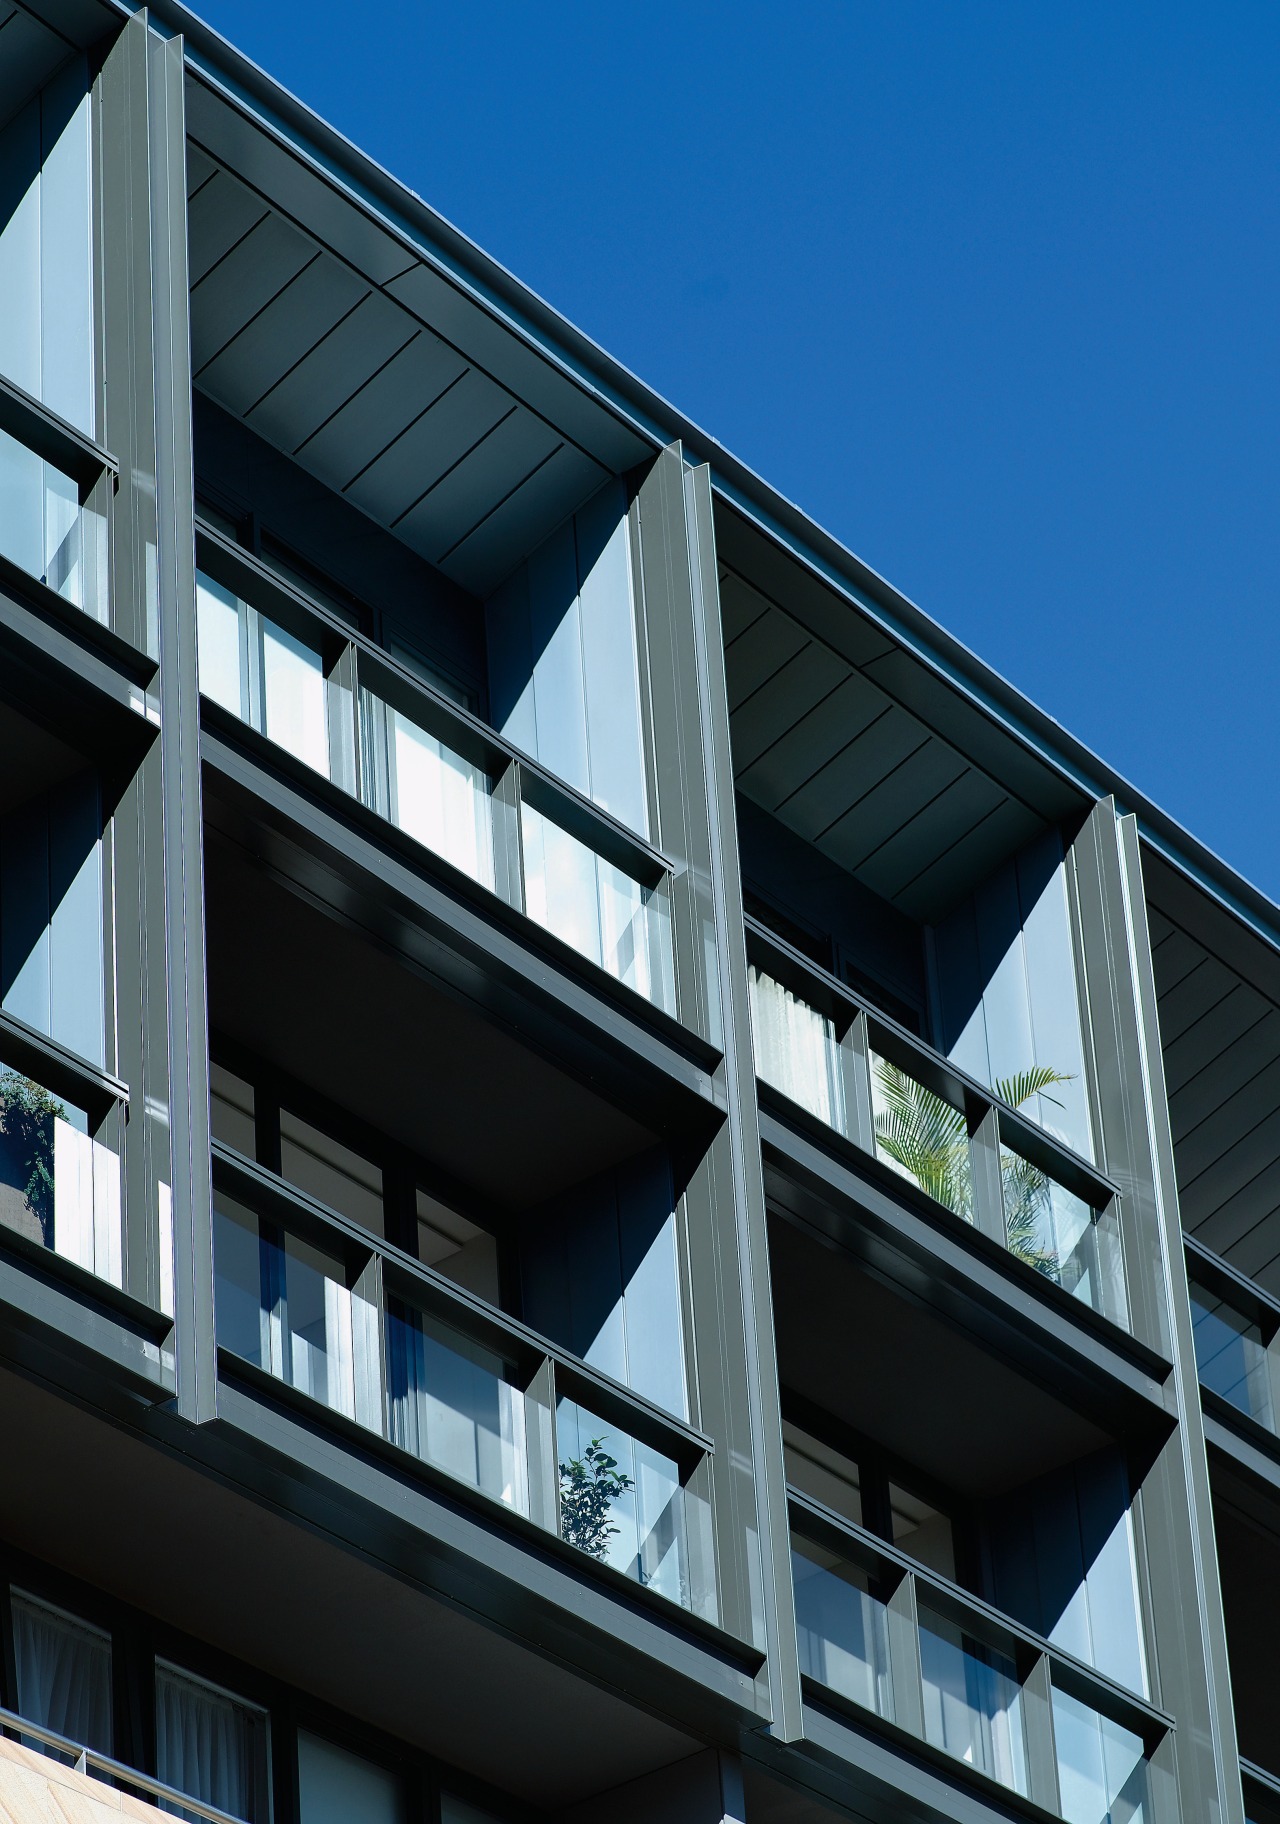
627	1187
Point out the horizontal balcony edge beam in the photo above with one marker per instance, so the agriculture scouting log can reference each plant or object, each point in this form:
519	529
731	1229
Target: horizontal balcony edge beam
60	1070
47	434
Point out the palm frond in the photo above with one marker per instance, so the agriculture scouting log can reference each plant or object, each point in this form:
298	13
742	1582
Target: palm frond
1021	1087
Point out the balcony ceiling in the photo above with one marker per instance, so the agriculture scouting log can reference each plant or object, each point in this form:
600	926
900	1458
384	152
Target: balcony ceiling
1218	992
849	740
32	49
337	342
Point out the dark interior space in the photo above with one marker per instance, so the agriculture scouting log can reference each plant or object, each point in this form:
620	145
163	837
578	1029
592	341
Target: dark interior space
1247	1525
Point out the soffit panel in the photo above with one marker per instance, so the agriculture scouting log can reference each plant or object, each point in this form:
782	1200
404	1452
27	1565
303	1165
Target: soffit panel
332	373
30	53
1008	828
283	333
243	282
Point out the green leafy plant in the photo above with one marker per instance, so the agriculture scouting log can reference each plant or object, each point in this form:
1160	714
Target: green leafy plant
929	1140
589	1486
27	1114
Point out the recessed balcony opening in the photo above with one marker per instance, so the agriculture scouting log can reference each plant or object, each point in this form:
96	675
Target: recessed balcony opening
1248	1538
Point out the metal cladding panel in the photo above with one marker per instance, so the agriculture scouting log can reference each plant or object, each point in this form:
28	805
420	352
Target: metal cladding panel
740	605
200	168
827	798
356	435
490	471
1198	993
243	282
332	373
452	424
760	653
565	482
1252	1043
220	213
1207	1044
784	699
882	810
812	742
828	615
546	389
1175	955
941	826
281	335
29	55
1239	1114
937	887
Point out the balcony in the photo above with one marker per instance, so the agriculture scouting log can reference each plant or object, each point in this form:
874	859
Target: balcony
304	680
44	1774
865	1078
881	1636
314	1310
55	492
1235	1326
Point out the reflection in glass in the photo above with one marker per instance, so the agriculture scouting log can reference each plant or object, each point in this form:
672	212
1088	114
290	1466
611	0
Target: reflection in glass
47	531
453	1403
922	1137
1231	1357
842	1624
822	1473
58	1186
621	1501
260	672
1063	1237
922	1531
796	1049
972	1701
597	910
1102	1769
439	798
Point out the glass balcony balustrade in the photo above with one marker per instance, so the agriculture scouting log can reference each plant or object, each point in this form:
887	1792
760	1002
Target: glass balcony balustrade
60	1187
424	765
388	1347
1233	1356
873	1083
52	527
879	1632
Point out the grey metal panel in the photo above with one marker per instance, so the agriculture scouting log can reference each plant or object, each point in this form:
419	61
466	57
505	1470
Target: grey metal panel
1175	957
243	281
794	689
464	497
1198	993
998	836
1258	1248
828	728
1161	928
758	654
938	829
1206	1092
282	334
29	55
439	437
1229	1190
200	168
550	494
1220	1224
829	616
399	392
221	214
1212	1035
880	813
740	605
529	375
1229	1124
332	373
310	199
883	745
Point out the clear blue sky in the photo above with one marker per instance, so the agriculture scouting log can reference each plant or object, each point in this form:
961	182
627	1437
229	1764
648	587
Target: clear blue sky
991	290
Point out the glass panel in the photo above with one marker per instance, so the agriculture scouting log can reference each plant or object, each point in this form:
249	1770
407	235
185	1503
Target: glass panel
218	645
796	1049
922	1137
58	1186
822	1473
211	1745
314	1331
972	1701
454	1403
335	1787
47	532
64	1673
622	1502
922	1531
293	697
842	1624
597	909
440	799
331	1172
1102	1768
1231	1356
1061	1236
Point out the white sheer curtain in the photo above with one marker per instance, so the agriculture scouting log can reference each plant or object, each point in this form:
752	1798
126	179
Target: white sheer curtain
210	1745
64	1673
796	1049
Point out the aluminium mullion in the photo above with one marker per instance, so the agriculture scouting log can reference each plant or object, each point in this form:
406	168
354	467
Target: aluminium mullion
988	1188
1042	1754
855	1071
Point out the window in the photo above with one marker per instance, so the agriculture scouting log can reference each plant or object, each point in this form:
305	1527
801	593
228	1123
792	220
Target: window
337	1787
330	1172
922	1531
796	1049
456	1247
59	1186
231	1110
822	1473
63	1671
211	1745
